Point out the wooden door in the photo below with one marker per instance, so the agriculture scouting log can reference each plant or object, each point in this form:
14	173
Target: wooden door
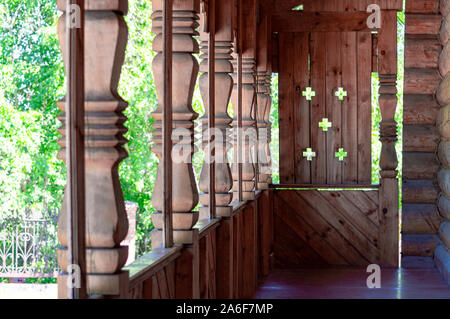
331	214
325	107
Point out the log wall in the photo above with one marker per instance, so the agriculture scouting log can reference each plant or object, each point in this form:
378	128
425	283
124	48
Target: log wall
420	217
442	254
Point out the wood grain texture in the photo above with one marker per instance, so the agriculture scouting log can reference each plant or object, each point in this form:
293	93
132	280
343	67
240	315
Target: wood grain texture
318	106
325	228
422	24
364	109
286	107
422	53
420	109
420	138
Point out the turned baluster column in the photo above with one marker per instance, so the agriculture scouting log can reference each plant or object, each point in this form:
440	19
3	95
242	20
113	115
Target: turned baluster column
263	109
184	193
268	168
248	132
389	189
223	88
264	38
106	219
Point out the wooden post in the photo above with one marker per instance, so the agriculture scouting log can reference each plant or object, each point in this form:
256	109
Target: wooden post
106	219
264	102
76	193
184	189
389	192
167	123
223	179
222	92
237	102
247	49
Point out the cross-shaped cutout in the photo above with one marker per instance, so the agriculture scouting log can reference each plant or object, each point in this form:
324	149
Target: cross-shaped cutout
309	154
298	8
308	93
341	154
341	93
325	124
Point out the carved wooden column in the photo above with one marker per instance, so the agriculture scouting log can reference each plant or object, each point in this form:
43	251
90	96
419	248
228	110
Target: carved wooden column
185	194
263	106
264	101
388	214
268	125
106	219
223	88
248	48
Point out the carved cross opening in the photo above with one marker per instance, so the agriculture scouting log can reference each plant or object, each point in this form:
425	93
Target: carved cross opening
309	93
341	154
325	124
309	154
341	93
298	8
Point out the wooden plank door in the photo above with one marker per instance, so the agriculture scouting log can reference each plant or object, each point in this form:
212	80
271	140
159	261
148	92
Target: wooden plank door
325	108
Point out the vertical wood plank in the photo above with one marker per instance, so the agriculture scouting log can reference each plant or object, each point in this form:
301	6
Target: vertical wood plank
75	157
167	122
170	275
286	102
212	264
350	108
364	108
334	107
318	106
162	284
147	289
204	278
225	259
212	105
237	260
302	129
155	288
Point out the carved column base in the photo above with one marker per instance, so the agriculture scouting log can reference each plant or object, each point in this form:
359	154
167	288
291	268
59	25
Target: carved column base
222	202
105	285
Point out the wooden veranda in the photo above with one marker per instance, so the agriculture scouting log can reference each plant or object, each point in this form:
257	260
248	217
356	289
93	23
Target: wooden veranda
325	213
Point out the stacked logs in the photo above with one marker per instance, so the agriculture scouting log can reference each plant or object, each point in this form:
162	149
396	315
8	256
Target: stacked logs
420	217
442	253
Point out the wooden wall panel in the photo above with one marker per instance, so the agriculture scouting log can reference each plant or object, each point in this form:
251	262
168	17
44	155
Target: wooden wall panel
286	107
350	106
338	61
334	106
302	129
325	228
364	109
318	106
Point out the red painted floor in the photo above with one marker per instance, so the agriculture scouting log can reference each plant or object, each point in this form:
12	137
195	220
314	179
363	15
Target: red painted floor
425	283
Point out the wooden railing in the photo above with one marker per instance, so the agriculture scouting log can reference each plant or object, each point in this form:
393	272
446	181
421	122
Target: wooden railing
154	276
225	253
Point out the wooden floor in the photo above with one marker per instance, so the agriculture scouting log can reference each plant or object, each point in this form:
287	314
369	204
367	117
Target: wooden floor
337	283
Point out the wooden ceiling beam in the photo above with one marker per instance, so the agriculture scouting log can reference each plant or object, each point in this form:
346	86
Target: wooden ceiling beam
320	22
281	6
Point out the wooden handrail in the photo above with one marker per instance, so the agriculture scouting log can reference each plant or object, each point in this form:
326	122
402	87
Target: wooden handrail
318	186
205	226
148	265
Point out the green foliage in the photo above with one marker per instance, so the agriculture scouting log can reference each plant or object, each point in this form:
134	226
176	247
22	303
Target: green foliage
138	171
31	81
